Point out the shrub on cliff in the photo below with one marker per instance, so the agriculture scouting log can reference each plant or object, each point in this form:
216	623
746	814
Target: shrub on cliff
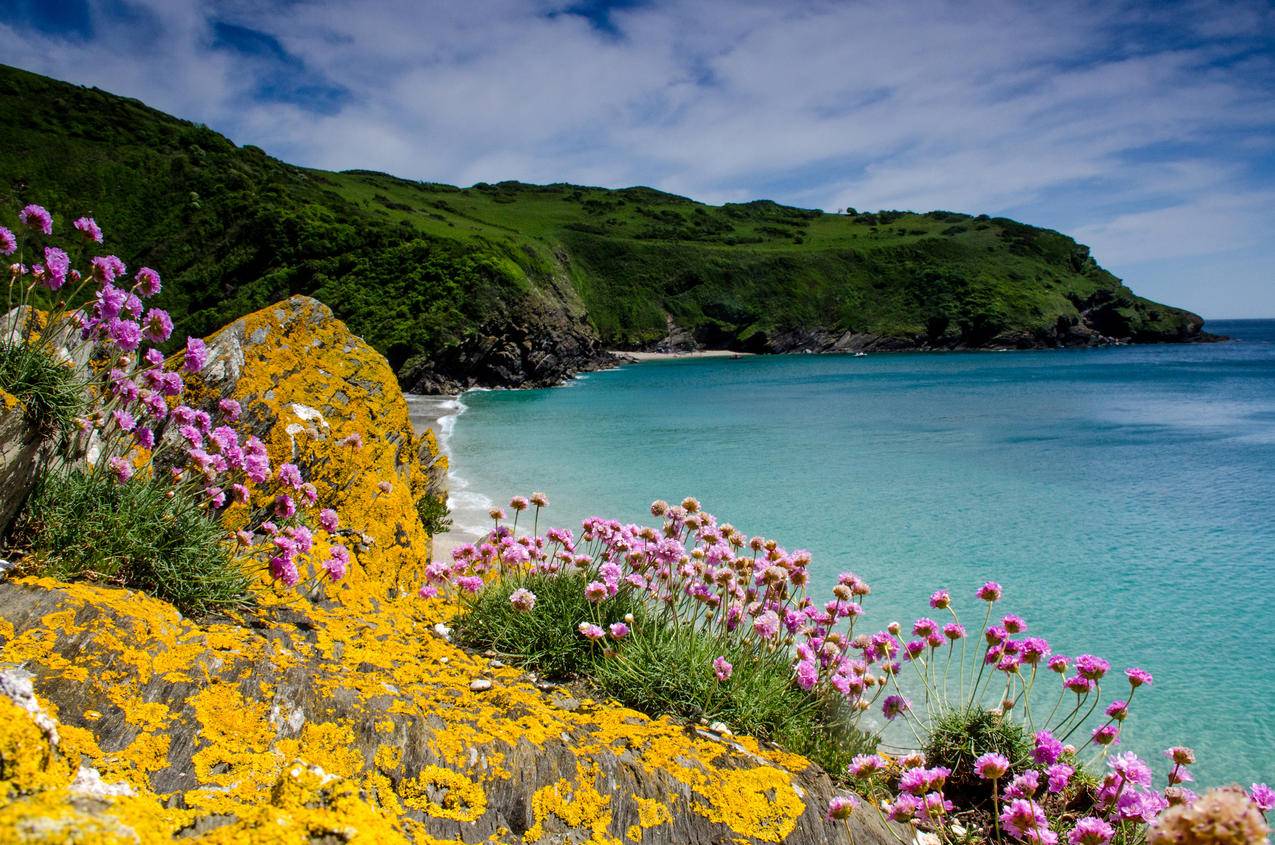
150	492
52	392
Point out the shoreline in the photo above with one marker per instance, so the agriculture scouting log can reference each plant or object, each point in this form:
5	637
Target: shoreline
641	357
439	412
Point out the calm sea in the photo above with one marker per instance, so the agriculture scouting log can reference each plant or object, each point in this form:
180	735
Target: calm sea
1125	497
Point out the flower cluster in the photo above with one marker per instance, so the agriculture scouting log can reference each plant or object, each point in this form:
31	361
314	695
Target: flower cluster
692	570
137	421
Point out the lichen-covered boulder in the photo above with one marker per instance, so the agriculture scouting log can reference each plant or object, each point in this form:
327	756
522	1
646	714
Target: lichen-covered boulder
20	449
351	719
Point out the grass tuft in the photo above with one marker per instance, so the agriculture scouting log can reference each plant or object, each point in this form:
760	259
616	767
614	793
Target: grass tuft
54	394
960	737
82	526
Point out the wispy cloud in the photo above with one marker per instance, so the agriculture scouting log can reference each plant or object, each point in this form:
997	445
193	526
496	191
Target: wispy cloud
1143	127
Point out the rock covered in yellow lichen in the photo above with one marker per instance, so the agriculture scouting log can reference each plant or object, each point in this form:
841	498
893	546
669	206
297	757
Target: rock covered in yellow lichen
349	720
322	398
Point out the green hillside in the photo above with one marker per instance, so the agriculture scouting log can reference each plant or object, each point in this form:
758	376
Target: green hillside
515	283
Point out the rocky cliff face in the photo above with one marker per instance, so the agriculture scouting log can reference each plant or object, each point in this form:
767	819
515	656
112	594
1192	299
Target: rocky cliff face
351	719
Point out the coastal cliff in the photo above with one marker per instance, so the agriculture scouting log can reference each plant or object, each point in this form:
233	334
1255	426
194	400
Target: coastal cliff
351	717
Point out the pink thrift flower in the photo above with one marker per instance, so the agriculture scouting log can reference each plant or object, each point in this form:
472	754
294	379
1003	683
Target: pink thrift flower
595	592
309	493
1013	623
940	599
618	630
1118	710
1022	816
8	243
145	438
121	469
522	599
428	591
904	808
1263	796
1091	831
841	807
990	591
1138	677
766	625
239	493
470	583
230	409
148	283
88	227
1048	749
328	520
954	631
283	569
1078	685
895	706
157	327
1091	667
1106	735
865	765
807	674
107	268
196	355
590	631
126	334
722	669
1058	663
1059	775
991	766
519	503
284	507
337	563
36	218
124	420
56	266
290	475
1025	785
385	487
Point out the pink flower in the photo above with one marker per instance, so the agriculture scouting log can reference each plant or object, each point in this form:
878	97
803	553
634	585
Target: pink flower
1059	776
1013	623
230	409
1263	796
338	561
148	282
106	268
309	493
36	218
991	766
904	808
470	583
8	243
954	631
841	807
88	227
290	475
121	469
1091	667
1106	735
285	570
595	592
940	599
124	420
1118	710
590	631
56	265
1078	685
158	326
766	625
1048	749
145	438
807	674
428	591
328	520
895	706
1090	831
990	591
1138	677
1058	663
864	765
1022	816
126	334
284	507
1024	785
239	493
196	355
618	630
522	599
519	503
722	669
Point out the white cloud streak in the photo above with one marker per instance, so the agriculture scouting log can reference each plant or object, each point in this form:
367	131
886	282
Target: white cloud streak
1117	122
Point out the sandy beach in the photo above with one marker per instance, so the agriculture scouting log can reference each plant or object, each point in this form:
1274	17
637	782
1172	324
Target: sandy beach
639	357
439	412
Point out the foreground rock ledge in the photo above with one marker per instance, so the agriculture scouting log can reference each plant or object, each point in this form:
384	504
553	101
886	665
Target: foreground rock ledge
349	720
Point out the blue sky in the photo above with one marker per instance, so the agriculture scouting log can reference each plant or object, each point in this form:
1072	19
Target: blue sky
1146	130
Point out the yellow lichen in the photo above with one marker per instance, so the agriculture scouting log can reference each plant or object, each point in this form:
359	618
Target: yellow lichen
444	794
579	806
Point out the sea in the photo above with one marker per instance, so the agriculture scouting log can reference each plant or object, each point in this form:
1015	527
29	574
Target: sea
1123	496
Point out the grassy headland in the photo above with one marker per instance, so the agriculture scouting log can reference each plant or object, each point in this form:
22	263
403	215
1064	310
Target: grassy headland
522	284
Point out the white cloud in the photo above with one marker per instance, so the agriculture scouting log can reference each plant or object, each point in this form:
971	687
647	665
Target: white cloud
1116	121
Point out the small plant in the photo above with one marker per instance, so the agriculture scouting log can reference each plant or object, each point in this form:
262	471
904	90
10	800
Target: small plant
53	392
958	738
434	513
88	526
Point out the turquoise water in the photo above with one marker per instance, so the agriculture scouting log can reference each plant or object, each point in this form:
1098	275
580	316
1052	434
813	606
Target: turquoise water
1125	497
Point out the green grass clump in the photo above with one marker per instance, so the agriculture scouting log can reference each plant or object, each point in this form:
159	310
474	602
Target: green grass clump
545	639
660	668
52	392
434	514
82	526
959	737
